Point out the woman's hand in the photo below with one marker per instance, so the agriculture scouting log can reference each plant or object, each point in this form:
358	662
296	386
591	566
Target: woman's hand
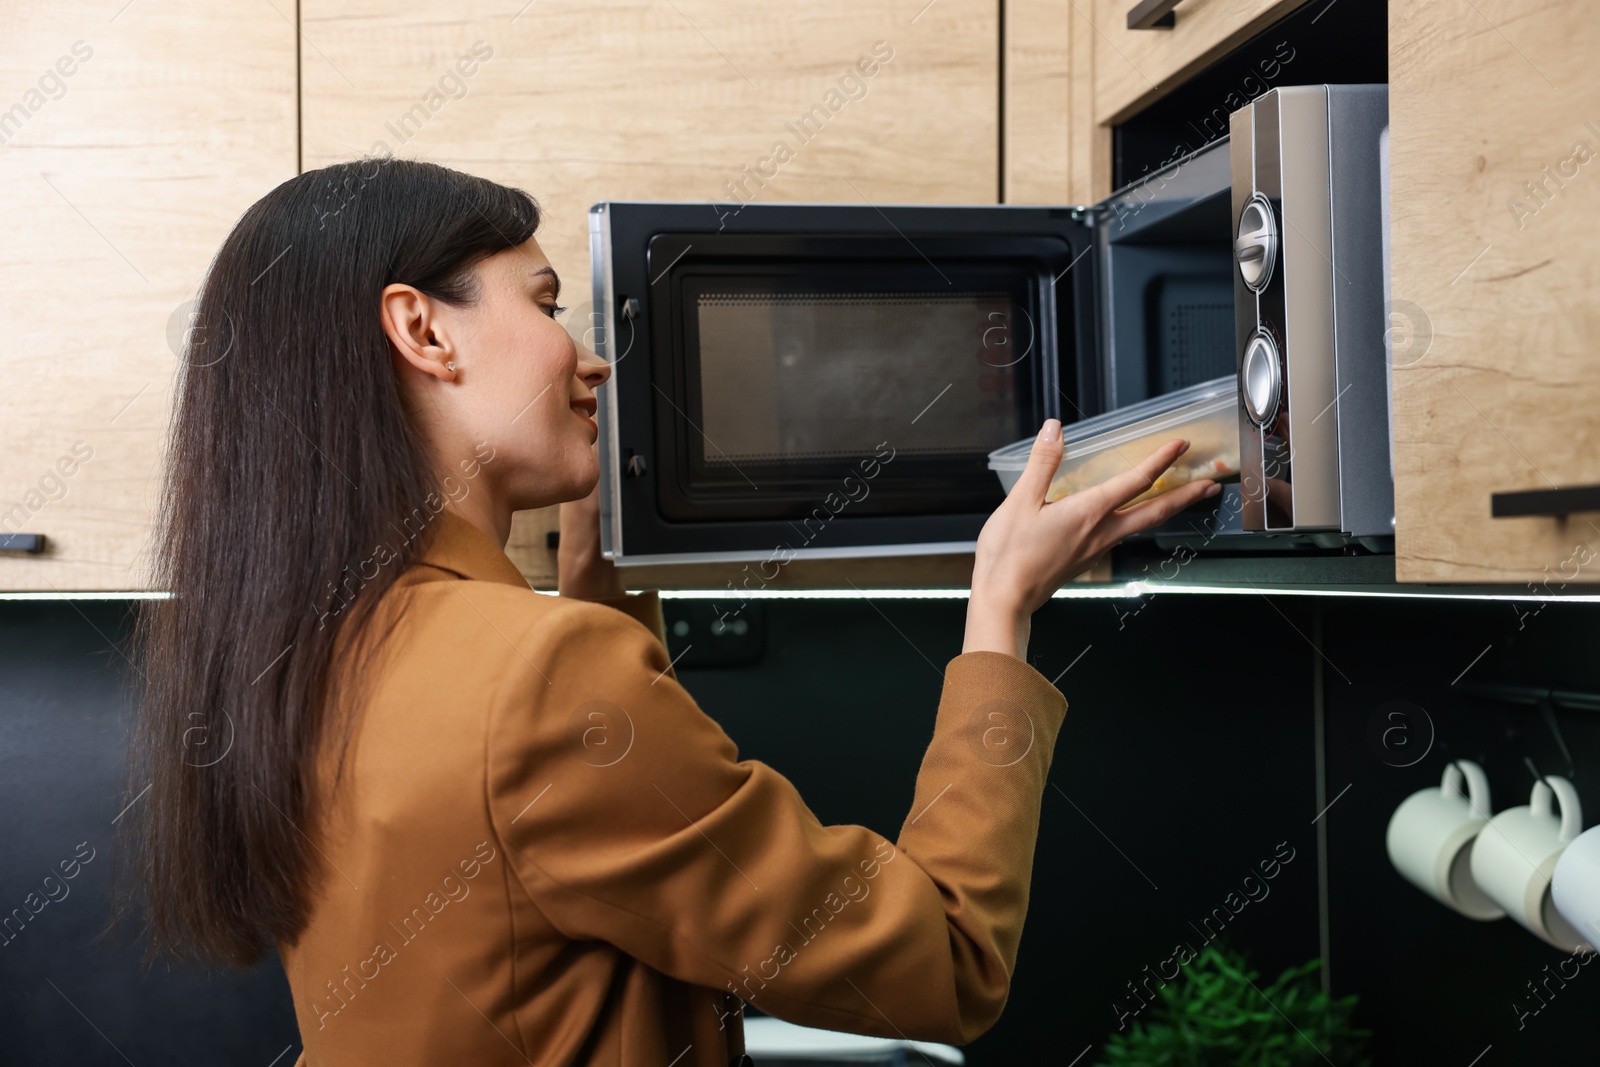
1028	548
581	571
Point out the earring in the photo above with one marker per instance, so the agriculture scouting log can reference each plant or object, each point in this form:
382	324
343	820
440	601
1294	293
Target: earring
451	365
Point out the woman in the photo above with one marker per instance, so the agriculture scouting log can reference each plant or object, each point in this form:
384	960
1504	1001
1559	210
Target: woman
484	825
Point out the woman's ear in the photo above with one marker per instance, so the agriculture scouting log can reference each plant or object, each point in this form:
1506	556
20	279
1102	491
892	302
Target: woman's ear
416	334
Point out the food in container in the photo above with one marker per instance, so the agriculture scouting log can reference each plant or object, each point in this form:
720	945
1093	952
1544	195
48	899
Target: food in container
1104	446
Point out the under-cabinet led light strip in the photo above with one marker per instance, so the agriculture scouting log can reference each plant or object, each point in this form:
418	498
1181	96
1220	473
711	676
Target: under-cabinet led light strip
99	595
1122	591
1119	591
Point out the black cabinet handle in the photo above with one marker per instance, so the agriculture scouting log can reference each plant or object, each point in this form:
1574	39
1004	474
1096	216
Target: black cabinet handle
1153	15
30	543
1556	502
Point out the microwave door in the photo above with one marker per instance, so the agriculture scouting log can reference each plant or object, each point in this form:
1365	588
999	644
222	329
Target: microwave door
763	354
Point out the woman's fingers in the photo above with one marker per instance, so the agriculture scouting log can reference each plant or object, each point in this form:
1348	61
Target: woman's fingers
1042	463
1154	512
1115	492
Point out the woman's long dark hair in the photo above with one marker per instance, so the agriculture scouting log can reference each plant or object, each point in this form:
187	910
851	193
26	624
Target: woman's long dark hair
291	457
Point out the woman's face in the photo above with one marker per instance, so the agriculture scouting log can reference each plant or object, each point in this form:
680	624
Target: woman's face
519	406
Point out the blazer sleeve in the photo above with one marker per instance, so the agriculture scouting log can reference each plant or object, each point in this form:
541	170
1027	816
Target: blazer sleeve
644	606
630	819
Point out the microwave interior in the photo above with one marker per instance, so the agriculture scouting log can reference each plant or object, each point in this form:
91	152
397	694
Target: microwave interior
1166	288
767	358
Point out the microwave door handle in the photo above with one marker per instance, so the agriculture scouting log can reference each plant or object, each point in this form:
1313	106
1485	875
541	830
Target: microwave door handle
1153	15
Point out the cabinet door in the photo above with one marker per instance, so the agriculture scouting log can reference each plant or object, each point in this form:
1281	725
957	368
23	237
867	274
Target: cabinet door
1134	68
1494	113
131	138
680	100
1055	152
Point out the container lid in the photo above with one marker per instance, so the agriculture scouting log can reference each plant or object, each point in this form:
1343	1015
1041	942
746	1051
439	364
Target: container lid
1127	423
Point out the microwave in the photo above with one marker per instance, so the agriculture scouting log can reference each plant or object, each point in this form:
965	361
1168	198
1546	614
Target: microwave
828	380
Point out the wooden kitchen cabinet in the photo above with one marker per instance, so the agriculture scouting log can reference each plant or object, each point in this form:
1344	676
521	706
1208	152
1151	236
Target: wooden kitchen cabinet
1073	70
131	138
577	103
1134	68
1494	112
1055	152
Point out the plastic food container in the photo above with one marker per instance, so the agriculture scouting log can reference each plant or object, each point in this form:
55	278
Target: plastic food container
1101	447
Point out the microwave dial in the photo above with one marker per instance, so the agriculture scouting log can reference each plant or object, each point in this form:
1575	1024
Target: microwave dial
1256	249
1261	379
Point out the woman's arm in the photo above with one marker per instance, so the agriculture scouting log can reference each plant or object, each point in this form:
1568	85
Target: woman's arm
630	819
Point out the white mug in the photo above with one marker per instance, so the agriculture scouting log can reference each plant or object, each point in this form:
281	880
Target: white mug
1516	854
1575	886
1430	839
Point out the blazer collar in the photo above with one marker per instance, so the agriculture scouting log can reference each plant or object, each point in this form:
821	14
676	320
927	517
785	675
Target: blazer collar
461	548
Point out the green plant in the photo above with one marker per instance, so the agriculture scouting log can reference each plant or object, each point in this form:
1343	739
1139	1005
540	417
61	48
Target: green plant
1216	1013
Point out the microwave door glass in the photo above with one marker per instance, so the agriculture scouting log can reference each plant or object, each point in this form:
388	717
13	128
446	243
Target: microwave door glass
803	379
774	373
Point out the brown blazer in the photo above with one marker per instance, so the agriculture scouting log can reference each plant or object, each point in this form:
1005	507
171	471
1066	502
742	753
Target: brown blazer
542	852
